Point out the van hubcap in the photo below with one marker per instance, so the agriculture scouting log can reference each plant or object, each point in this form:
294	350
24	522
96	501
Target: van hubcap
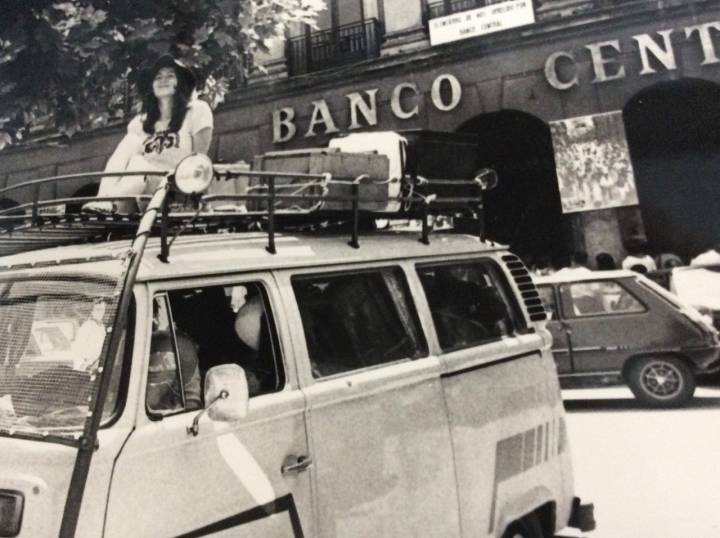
661	379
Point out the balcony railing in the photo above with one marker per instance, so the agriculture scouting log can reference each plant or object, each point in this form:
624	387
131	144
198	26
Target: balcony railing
337	46
441	8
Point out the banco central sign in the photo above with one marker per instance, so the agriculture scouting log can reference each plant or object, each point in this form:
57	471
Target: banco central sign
445	95
655	50
561	68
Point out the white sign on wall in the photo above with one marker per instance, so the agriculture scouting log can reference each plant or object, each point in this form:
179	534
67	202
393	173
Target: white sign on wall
481	21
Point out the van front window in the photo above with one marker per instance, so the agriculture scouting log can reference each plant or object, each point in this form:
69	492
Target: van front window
52	337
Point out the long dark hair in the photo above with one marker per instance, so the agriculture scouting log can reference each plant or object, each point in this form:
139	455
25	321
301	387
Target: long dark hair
151	106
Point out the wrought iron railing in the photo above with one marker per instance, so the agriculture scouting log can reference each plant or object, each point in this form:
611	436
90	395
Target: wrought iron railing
337	46
269	200
441	8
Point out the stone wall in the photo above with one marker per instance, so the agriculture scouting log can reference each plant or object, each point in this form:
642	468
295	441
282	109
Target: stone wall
503	72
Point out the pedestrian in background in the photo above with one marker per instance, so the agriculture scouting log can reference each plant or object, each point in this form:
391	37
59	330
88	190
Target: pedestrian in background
668	260
605	262
638	258
542	266
709	257
578	264
173	124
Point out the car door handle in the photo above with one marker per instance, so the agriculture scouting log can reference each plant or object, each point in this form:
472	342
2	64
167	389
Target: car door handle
294	464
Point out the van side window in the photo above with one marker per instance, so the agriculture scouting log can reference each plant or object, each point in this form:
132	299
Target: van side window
211	326
548	299
595	298
356	320
170	387
468	304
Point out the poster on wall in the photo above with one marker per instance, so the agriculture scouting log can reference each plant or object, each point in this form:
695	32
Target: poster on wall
480	21
593	164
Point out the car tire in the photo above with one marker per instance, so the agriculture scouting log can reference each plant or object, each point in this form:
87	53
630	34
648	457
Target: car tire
661	381
527	527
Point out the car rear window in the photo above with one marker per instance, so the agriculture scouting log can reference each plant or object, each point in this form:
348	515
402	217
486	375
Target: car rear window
597	298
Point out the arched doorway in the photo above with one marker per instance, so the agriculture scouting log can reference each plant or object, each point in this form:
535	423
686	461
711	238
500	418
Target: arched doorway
524	210
673	131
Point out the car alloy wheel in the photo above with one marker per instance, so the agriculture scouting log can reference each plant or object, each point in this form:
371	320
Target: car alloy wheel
661	381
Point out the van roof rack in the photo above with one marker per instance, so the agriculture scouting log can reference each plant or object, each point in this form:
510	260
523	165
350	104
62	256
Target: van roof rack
273	201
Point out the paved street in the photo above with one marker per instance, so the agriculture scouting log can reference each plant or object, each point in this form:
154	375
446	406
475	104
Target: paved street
650	473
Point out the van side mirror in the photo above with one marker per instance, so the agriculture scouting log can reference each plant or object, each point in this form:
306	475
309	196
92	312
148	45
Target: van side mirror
226	395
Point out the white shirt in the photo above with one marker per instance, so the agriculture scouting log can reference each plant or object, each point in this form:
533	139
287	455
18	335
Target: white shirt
164	149
646	261
568	271
710	257
88	344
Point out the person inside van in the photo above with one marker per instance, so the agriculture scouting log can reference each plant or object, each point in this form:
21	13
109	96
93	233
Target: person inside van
89	339
465	307
251	329
230	325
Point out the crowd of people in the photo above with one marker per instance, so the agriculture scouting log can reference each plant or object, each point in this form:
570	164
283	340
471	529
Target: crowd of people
639	258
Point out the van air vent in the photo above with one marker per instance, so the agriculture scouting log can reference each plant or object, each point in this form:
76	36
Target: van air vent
528	291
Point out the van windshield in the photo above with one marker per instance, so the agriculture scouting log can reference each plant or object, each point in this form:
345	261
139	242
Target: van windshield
53	334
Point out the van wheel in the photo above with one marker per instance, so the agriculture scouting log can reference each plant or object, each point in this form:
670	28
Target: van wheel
661	381
527	527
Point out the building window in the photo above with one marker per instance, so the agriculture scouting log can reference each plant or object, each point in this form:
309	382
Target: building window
346	35
441	8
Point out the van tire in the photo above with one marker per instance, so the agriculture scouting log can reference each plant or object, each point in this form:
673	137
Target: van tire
661	381
527	527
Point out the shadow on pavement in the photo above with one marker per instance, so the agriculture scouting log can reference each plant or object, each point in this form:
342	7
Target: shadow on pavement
630	404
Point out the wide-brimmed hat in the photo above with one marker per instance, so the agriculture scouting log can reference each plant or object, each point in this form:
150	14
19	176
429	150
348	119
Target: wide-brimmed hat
184	73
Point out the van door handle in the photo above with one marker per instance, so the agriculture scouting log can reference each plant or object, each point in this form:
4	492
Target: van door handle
297	464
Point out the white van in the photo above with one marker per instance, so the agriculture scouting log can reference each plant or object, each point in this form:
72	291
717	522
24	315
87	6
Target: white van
395	389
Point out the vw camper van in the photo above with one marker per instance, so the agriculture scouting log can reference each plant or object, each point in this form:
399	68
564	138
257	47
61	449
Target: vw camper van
274	383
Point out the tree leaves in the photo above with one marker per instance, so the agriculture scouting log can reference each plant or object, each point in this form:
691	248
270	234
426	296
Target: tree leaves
66	64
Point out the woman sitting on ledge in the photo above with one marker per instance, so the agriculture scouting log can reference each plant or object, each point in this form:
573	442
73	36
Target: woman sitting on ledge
172	125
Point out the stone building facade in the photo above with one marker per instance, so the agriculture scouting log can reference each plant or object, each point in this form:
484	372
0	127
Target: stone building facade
584	91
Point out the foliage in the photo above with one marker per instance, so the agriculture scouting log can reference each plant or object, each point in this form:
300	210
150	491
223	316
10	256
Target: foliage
70	64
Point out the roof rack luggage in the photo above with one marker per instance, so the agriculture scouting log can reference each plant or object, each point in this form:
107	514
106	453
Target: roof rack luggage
264	200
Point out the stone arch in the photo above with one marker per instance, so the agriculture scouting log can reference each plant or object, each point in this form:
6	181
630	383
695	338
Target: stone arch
673	132
524	210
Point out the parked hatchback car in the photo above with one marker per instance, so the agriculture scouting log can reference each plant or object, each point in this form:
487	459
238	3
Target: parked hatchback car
618	326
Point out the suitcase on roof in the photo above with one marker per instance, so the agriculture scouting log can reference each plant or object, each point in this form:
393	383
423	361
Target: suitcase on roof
376	193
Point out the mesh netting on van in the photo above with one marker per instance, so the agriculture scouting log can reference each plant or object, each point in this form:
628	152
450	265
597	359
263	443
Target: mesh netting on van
54	334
